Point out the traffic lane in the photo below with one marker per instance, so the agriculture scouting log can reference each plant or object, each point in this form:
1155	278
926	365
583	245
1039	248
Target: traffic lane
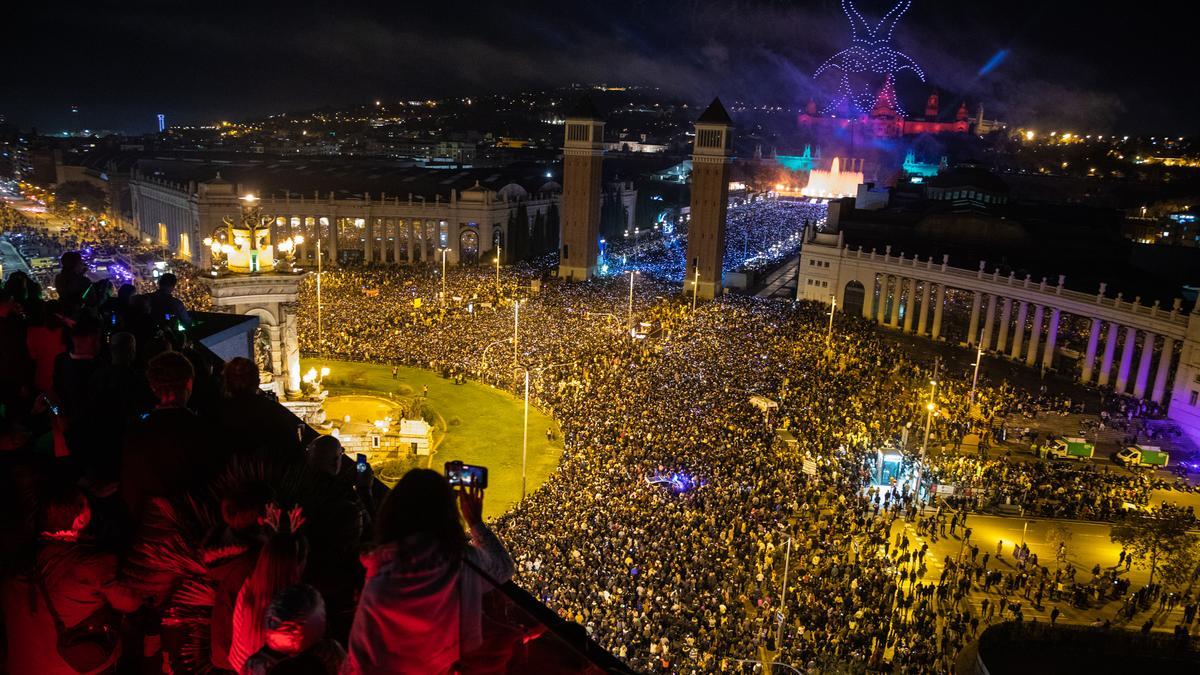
1089	543
11	260
1177	498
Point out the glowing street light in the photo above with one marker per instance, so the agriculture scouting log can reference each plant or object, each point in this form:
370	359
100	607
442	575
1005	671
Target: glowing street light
832	309
695	288
516	326
444	252
497	269
978	360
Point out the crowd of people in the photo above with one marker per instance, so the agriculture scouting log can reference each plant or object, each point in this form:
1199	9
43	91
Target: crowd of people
689	578
161	513
680	530
759	234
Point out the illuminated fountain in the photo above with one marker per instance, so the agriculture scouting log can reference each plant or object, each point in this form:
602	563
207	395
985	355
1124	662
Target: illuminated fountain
832	183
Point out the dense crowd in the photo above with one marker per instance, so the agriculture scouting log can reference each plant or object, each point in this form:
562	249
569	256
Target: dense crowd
758	235
666	532
688	578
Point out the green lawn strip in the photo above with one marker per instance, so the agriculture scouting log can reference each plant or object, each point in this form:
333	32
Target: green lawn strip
483	424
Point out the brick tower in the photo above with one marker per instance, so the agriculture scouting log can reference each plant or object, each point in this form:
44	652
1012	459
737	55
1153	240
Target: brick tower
583	156
711	155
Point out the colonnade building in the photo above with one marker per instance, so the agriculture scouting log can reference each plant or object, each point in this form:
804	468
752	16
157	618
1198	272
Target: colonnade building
360	212
1148	352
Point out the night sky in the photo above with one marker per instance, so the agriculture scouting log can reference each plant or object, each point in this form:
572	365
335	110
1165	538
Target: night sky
1087	67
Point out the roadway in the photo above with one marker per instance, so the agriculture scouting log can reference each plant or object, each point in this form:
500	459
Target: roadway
10	259
1088	544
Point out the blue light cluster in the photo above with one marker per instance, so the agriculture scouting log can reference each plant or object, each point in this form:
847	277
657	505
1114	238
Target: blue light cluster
758	234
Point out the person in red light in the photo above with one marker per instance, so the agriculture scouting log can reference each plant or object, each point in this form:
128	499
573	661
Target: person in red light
420	609
64	582
295	636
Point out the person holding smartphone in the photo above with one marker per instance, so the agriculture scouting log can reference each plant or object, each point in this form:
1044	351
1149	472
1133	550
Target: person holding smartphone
421	606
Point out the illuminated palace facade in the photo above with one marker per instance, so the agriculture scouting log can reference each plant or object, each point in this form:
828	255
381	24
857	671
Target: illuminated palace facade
885	119
358	214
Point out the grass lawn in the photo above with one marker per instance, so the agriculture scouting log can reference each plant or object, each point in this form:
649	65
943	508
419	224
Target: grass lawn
487	432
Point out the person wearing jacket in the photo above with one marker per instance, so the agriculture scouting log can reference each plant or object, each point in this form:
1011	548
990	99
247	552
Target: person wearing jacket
77	577
421	604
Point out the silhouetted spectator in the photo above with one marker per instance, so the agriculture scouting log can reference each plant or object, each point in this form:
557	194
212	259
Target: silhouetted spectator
71	282
73	369
295	637
420	608
252	424
80	583
44	340
165	308
170	448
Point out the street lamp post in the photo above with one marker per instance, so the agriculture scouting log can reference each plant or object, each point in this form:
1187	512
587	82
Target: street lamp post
787	559
516	326
929	407
444	252
525	422
320	326
829	331
975	377
695	288
497	270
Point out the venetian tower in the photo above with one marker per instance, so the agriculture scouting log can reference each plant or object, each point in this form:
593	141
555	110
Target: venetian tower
583	158
711	157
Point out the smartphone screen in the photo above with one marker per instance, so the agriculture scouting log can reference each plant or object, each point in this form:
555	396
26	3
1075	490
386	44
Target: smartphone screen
361	463
458	473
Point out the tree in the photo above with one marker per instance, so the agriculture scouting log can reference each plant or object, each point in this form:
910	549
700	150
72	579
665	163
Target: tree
541	240
519	239
82	194
1159	542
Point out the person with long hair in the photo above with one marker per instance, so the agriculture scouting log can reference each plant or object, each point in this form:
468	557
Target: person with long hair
280	564
421	605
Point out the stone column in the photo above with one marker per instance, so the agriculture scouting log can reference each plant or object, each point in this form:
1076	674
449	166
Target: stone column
973	326
894	321
1005	325
1106	362
369	245
1019	330
989	323
868	310
923	317
910	304
274	333
1035	334
291	348
333	240
939	302
1126	360
1051	338
408	230
885	283
395	241
1143	371
1164	370
1089	357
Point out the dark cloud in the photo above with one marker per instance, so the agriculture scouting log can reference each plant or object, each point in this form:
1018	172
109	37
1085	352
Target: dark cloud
1068	63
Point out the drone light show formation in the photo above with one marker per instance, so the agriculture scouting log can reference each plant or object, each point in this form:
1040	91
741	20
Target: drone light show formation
869	55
